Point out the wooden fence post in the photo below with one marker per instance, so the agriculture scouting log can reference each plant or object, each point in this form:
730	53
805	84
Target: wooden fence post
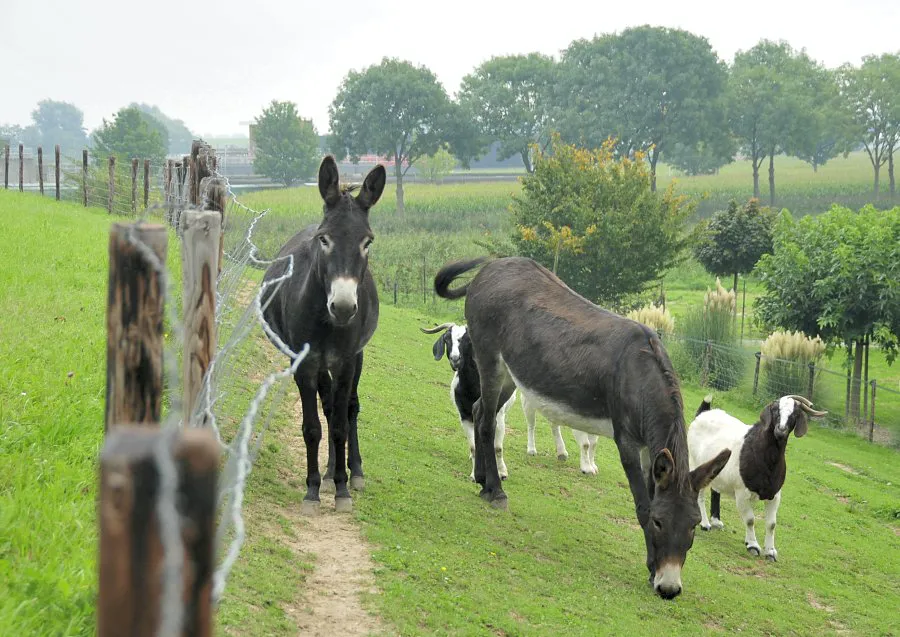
200	230
84	176
6	167
134	322
704	373
21	168
756	372
170	203
131	567
134	167
40	166
56	158
214	196
111	192
872	413
146	183
812	381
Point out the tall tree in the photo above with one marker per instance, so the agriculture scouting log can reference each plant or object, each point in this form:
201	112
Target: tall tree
510	99
766	104
287	146
872	92
180	136
648	87
826	130
59	123
131	134
393	109
835	275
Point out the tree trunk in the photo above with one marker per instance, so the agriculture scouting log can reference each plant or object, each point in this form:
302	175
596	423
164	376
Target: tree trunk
756	163
526	159
743	310
772	178
891	174
877	168
856	383
399	172
815	166
654	157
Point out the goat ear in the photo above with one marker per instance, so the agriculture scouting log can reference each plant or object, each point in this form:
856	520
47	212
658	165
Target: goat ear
765	416
439	347
372	187
802	424
663	469
329	181
707	472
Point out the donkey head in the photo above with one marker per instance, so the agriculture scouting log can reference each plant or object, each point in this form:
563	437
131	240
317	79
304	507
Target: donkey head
343	238
673	515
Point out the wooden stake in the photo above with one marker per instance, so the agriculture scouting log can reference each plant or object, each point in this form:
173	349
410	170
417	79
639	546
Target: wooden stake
40	163
214	196
111	192
56	158
146	183
134	325
134	167
84	176
131	565
6	167
201	230
21	168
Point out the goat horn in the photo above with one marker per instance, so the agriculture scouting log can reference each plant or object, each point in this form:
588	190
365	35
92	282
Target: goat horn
803	400
439	328
807	406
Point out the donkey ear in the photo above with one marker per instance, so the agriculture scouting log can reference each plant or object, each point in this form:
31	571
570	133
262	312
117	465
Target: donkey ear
663	469
439	347
802	424
707	472
372	187
329	181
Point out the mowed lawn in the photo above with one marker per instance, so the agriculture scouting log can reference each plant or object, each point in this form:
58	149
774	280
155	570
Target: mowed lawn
566	559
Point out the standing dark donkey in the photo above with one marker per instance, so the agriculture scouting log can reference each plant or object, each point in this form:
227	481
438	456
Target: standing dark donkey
331	303
596	371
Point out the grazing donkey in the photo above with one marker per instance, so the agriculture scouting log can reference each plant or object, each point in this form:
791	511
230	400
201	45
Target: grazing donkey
330	302
596	371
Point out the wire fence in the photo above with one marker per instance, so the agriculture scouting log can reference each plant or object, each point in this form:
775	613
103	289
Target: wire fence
865	405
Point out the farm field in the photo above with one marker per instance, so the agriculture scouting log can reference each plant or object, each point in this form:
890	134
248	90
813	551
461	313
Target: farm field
566	559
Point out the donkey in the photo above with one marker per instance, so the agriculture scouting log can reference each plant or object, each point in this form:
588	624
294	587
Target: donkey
330	301
596	371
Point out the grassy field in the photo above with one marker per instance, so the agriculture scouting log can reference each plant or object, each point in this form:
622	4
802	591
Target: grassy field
566	559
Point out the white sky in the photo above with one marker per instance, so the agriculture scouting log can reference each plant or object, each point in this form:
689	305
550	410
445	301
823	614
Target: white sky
217	64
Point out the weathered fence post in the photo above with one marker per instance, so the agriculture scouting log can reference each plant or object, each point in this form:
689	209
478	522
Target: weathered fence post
21	168
170	203
396	285
214	196
56	158
84	176
133	596
200	231
134	323
146	183
6	167
134	167
812	380
866	381
112	184
707	354
40	166
872	414
756	372
424	284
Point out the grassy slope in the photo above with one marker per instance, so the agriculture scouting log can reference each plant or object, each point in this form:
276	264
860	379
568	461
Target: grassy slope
567	556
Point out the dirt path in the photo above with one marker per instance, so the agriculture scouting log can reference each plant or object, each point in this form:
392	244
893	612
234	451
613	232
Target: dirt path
343	567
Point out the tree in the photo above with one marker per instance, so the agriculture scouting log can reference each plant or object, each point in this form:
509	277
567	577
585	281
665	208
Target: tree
616	233
648	87
437	166
180	136
287	146
872	94
827	124
131	134
510	99
766	103
733	240
393	109
59	123
11	134
702	158
836	276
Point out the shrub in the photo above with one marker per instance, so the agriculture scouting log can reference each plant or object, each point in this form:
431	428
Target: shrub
711	342
785	361
654	317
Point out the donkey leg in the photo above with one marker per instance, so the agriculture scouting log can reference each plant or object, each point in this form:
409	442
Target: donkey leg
312	435
492	387
632	457
338	432
327	397
354	459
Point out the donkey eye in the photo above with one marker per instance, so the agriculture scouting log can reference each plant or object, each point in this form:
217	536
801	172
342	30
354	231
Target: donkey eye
326	243
366	244
657	524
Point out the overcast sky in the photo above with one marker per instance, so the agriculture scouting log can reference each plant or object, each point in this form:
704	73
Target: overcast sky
216	64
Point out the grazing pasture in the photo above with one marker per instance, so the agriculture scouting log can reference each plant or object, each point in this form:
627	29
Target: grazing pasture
566	558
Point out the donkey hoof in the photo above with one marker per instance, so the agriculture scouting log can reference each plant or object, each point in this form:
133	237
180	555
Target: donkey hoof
753	550
562	457
309	508
327	485
343	505
357	483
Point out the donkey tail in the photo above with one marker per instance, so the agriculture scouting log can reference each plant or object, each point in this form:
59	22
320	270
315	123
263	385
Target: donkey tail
451	271
706	405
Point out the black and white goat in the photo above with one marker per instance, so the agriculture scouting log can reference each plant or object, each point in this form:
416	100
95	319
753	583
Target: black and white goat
757	468
465	388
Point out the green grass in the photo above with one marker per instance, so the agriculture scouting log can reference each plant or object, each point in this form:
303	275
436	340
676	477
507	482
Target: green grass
566	559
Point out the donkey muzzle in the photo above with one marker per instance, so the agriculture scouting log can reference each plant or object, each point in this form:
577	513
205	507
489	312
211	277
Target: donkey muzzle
342	302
